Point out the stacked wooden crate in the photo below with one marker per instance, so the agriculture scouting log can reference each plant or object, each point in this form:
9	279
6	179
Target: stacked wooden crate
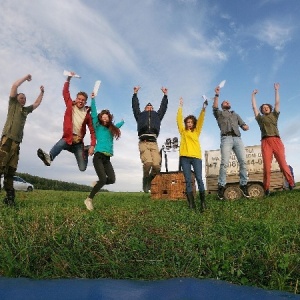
170	185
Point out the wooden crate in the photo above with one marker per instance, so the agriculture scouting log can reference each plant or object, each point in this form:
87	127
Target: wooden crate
170	186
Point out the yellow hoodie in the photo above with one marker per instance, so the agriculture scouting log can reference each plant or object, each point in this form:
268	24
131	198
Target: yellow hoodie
189	140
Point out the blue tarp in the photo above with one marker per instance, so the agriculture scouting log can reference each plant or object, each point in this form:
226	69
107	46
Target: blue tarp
110	289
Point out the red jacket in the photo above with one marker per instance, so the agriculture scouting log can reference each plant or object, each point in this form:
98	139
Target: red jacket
68	122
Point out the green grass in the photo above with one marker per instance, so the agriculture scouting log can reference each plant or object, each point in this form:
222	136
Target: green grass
50	234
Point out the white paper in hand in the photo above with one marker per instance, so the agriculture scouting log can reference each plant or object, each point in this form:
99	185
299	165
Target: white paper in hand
204	98
68	73
96	87
221	84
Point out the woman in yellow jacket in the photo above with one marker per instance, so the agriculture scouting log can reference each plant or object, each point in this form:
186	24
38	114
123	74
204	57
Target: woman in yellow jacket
190	154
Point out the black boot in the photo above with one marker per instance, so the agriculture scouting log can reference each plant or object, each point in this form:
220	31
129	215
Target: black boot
10	198
202	201
151	177
146	184
190	199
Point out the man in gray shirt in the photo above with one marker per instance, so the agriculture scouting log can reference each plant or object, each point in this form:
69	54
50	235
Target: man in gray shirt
229	123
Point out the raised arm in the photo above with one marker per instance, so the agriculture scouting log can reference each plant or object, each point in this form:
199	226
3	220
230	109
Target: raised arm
201	117
135	103
179	117
253	100
277	98
66	88
216	98
14	88
94	113
39	99
164	103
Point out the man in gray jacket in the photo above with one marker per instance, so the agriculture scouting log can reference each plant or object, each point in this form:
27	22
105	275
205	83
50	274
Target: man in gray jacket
229	123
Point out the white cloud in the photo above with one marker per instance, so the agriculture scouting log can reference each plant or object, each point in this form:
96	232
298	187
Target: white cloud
274	33
178	44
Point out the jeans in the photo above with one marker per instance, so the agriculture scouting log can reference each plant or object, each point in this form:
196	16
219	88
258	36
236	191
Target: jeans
187	163
235	144
76	149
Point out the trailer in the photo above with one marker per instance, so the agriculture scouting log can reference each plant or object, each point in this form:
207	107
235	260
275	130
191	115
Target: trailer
255	174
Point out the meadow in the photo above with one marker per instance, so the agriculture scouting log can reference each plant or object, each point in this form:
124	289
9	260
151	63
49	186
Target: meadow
50	234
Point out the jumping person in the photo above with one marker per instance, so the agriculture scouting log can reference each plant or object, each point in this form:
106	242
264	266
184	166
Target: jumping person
271	143
148	127
229	123
77	117
190	153
12	135
106	131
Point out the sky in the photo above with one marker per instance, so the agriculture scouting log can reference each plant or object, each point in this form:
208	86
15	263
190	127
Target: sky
188	46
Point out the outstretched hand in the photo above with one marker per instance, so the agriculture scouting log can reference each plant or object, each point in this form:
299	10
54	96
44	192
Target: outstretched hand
136	89
276	86
29	77
69	77
245	127
91	150
180	101
42	89
164	90
92	95
255	92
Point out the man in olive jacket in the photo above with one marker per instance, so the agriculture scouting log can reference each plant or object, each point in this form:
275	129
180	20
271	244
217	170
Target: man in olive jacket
12	135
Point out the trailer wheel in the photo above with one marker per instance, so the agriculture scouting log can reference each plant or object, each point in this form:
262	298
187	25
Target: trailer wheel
256	190
232	192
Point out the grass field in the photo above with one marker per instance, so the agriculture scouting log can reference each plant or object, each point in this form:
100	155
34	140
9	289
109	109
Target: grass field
50	234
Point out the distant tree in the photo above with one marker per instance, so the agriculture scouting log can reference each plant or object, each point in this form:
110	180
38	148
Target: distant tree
41	183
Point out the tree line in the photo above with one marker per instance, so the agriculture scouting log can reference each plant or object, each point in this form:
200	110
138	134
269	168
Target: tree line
41	183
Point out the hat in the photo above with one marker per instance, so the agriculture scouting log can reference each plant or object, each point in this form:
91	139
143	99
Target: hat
149	104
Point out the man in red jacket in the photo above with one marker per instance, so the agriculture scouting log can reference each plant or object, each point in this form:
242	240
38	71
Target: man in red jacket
77	117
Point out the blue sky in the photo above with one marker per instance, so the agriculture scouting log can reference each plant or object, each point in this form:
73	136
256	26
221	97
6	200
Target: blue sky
188	46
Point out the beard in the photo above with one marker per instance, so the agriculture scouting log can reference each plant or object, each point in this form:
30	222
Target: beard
226	107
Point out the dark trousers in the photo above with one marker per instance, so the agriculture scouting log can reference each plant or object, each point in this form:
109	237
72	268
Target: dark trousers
9	158
104	171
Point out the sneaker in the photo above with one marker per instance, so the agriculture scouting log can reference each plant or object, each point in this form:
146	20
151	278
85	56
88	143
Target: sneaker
89	203
244	190
221	190
45	157
267	193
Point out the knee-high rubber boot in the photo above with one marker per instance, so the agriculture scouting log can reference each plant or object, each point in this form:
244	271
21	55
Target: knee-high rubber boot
146	184
202	201
191	200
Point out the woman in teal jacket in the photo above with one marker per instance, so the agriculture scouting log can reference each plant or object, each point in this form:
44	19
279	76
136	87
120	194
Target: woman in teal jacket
190	154
105	131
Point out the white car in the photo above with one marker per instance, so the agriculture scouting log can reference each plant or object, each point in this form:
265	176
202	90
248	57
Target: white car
20	184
